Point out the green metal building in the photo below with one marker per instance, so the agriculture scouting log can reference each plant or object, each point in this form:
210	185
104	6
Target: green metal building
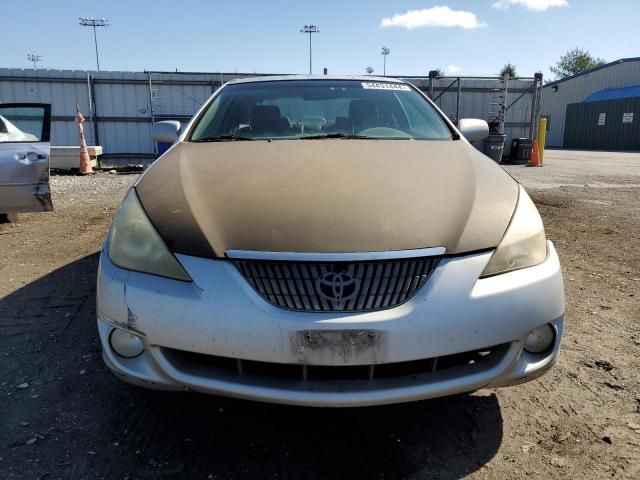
598	109
607	120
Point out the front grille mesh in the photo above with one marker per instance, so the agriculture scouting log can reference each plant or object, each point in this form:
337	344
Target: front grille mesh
466	363
339	286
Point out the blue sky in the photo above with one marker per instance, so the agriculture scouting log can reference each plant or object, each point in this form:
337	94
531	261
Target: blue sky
469	37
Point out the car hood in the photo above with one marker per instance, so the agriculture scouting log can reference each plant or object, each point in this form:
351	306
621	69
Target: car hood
333	195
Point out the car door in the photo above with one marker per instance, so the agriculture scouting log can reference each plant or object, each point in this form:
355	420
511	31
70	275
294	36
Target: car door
25	130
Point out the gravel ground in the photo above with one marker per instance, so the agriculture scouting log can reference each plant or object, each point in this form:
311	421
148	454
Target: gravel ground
65	416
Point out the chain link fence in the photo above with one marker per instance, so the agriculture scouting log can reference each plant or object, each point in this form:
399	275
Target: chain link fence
509	106
121	107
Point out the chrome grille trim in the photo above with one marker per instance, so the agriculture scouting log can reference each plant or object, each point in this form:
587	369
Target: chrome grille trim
335	256
369	286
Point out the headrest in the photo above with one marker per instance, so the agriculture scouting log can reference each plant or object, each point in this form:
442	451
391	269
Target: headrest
362	109
265	117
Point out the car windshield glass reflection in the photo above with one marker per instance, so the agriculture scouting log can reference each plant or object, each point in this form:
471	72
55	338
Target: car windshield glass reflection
295	109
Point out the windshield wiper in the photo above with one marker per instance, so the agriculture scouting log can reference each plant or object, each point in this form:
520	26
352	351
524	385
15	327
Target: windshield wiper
223	138
334	135
351	136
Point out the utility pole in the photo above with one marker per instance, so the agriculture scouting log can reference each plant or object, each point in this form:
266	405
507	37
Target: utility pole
35	59
94	22
385	51
310	29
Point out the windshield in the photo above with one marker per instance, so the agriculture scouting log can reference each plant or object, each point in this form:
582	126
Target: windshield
293	109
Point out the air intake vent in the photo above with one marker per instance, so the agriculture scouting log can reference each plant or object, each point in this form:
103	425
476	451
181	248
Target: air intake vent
338	286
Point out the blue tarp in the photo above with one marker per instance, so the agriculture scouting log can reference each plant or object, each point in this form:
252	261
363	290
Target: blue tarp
614	94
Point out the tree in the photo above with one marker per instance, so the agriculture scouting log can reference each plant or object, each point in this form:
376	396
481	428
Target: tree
574	62
439	73
369	70
509	69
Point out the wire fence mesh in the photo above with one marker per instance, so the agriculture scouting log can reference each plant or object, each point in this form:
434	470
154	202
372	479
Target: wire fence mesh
508	105
122	106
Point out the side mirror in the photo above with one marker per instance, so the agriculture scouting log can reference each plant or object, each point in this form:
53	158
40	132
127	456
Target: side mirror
473	129
166	131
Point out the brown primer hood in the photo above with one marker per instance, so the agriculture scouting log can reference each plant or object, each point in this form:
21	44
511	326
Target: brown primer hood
331	195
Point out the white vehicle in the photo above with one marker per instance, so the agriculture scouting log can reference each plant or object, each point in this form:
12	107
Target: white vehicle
327	241
24	157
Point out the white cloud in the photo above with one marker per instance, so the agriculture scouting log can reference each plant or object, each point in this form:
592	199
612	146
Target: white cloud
433	17
453	69
533	5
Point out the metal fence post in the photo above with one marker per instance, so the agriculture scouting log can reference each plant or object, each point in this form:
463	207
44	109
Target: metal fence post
535	105
151	115
534	94
93	114
458	101
539	77
432	76
503	107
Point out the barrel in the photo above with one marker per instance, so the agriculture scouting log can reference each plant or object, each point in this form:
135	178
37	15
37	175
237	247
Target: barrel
494	146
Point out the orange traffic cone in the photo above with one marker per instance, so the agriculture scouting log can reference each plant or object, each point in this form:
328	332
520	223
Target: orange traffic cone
85	161
534	161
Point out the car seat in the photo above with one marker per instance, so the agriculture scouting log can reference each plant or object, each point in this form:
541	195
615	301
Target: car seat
362	114
266	120
341	125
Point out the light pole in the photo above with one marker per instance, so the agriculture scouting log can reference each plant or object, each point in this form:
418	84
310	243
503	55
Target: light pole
94	22
310	29
385	51
35	59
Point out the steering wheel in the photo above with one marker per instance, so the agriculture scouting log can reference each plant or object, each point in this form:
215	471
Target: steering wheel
383	132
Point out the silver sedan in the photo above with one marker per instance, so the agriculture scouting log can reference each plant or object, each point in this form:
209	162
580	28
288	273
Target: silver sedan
327	241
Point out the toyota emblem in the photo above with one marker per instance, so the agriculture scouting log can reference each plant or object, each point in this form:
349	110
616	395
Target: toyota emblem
338	287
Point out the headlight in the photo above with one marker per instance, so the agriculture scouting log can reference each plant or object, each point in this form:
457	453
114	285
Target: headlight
524	244
135	245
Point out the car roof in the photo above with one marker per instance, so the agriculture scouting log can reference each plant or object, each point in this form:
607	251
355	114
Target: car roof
273	78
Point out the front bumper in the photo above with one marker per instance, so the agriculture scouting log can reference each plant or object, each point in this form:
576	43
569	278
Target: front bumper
220	316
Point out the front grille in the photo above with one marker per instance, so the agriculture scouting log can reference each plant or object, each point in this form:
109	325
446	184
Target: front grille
337	286
217	367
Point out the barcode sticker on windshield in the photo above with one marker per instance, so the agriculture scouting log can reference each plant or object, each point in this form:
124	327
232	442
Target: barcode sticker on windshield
385	86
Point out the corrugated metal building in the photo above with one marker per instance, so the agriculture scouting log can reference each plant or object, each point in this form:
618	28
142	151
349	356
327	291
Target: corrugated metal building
559	95
121	107
606	120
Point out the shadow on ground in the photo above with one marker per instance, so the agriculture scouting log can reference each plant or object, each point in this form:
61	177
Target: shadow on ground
76	420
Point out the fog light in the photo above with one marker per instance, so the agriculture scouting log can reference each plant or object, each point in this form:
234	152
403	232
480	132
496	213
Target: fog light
540	339
125	344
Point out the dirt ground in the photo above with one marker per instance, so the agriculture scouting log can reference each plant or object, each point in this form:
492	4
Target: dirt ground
64	415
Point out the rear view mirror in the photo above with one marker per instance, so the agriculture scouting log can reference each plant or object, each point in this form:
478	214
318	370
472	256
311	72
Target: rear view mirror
166	131
474	129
